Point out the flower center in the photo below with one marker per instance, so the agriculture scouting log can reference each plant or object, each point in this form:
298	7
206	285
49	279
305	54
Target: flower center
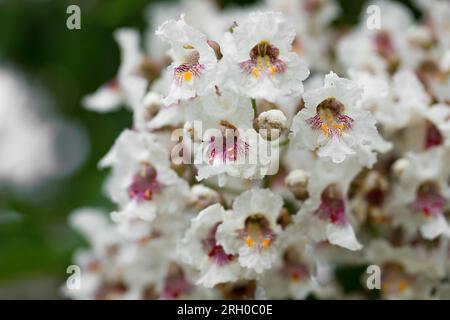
263	61
190	67
228	146
257	232
394	279
293	266
175	283
214	250
330	118
145	183
332	206
429	199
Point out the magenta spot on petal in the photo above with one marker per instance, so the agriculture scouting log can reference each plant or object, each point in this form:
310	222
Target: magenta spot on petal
330	118
293	266
175	283
228	147
195	69
145	183
433	137
383	44
263	61
332	206
113	85
214	250
428	200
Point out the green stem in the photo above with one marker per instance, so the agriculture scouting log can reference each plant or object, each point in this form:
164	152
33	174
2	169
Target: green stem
254	106
285	142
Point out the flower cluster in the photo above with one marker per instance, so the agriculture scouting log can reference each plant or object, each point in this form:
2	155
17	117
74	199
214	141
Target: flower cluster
253	171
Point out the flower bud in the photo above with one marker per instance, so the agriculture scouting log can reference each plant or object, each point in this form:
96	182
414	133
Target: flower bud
297	183
152	103
400	166
271	124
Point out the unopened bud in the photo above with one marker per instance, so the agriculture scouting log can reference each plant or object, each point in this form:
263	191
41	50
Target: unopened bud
271	124
152	103
400	166
297	183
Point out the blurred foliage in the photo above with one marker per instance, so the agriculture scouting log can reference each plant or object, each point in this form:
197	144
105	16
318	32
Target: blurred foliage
69	64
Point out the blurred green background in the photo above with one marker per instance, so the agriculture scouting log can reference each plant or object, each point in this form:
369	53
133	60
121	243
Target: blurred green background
36	249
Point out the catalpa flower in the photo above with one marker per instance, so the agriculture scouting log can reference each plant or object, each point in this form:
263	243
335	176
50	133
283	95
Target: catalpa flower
258	61
200	248
333	122
323	216
101	260
294	274
141	182
430	130
380	48
250	229
408	101
229	145
407	272
194	61
422	192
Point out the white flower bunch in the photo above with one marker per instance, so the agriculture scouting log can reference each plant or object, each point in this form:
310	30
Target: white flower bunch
253	170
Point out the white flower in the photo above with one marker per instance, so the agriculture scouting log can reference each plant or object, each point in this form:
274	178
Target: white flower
128	87
250	230
141	182
437	12
151	114
375	88
311	20
194	61
334	123
380	251
200	249
407	272
421	194
294	275
430	129
258	61
409	101
323	215
230	146
382	48
436	76
32	134
98	264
